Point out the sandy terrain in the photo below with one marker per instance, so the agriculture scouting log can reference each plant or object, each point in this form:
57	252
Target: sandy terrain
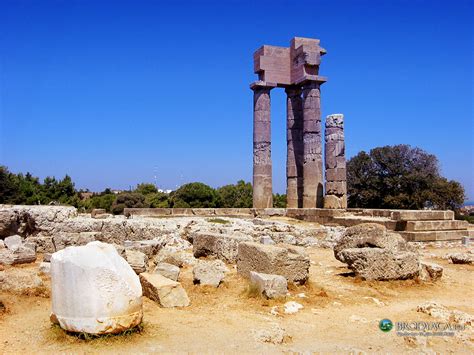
339	314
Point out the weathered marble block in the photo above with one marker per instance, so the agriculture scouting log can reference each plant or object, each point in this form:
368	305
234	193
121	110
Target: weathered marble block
94	290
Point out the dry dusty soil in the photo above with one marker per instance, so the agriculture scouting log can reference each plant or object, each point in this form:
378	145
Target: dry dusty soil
340	314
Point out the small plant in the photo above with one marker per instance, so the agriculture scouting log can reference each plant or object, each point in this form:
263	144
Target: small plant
218	220
82	336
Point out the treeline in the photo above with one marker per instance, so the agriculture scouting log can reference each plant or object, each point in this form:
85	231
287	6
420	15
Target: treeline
29	190
393	177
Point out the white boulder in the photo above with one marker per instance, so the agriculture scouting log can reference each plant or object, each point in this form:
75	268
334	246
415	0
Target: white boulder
94	290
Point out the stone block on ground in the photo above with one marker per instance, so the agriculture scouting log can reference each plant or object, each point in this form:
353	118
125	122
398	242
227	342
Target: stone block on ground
94	290
66	239
289	261
147	247
13	242
266	240
175	257
221	246
461	258
169	271
209	272
137	260
166	292
430	271
45	268
375	254
270	286
21	255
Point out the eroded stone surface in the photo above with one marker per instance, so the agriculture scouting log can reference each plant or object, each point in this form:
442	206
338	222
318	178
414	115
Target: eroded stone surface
222	246
166	292
94	290
375	254
209	272
167	270
290	262
270	286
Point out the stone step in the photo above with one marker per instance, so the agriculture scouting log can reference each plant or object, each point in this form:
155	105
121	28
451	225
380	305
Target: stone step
422	215
349	221
414	226
425	236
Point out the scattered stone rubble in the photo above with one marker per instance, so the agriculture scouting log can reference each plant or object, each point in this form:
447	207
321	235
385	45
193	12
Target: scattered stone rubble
443	313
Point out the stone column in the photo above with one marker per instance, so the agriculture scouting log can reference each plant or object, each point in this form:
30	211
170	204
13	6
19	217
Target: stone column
262	160
335	163
313	194
294	140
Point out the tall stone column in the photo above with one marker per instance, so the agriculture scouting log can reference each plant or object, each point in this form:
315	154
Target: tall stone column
262	159
294	140
335	163
313	194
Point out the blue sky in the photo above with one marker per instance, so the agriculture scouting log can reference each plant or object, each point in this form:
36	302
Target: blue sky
114	92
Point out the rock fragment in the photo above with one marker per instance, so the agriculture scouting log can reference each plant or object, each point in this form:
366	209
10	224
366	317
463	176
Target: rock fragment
291	262
166	292
270	286
209	272
167	270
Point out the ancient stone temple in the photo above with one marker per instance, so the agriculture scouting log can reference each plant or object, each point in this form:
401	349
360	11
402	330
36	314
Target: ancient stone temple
335	163
296	69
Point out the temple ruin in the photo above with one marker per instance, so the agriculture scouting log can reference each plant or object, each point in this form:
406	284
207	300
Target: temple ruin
296	69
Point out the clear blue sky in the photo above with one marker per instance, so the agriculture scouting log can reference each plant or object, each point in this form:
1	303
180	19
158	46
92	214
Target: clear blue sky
106	91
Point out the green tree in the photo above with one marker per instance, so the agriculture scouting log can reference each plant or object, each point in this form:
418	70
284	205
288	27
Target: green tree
279	201
195	195
146	189
8	188
400	177
157	200
128	200
236	196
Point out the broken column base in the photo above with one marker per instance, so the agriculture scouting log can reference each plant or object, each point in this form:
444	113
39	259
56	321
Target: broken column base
335	202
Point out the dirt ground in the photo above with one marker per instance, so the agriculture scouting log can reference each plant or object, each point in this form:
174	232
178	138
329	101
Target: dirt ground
340	314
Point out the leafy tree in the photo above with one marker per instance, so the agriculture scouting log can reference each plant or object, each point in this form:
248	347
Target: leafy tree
400	177
236	196
195	195
128	200
8	189
146	189
279	201
157	200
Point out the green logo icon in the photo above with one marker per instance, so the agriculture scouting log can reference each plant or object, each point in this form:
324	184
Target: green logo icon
385	325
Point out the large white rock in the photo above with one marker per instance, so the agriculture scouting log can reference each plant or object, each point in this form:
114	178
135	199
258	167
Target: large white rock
94	290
